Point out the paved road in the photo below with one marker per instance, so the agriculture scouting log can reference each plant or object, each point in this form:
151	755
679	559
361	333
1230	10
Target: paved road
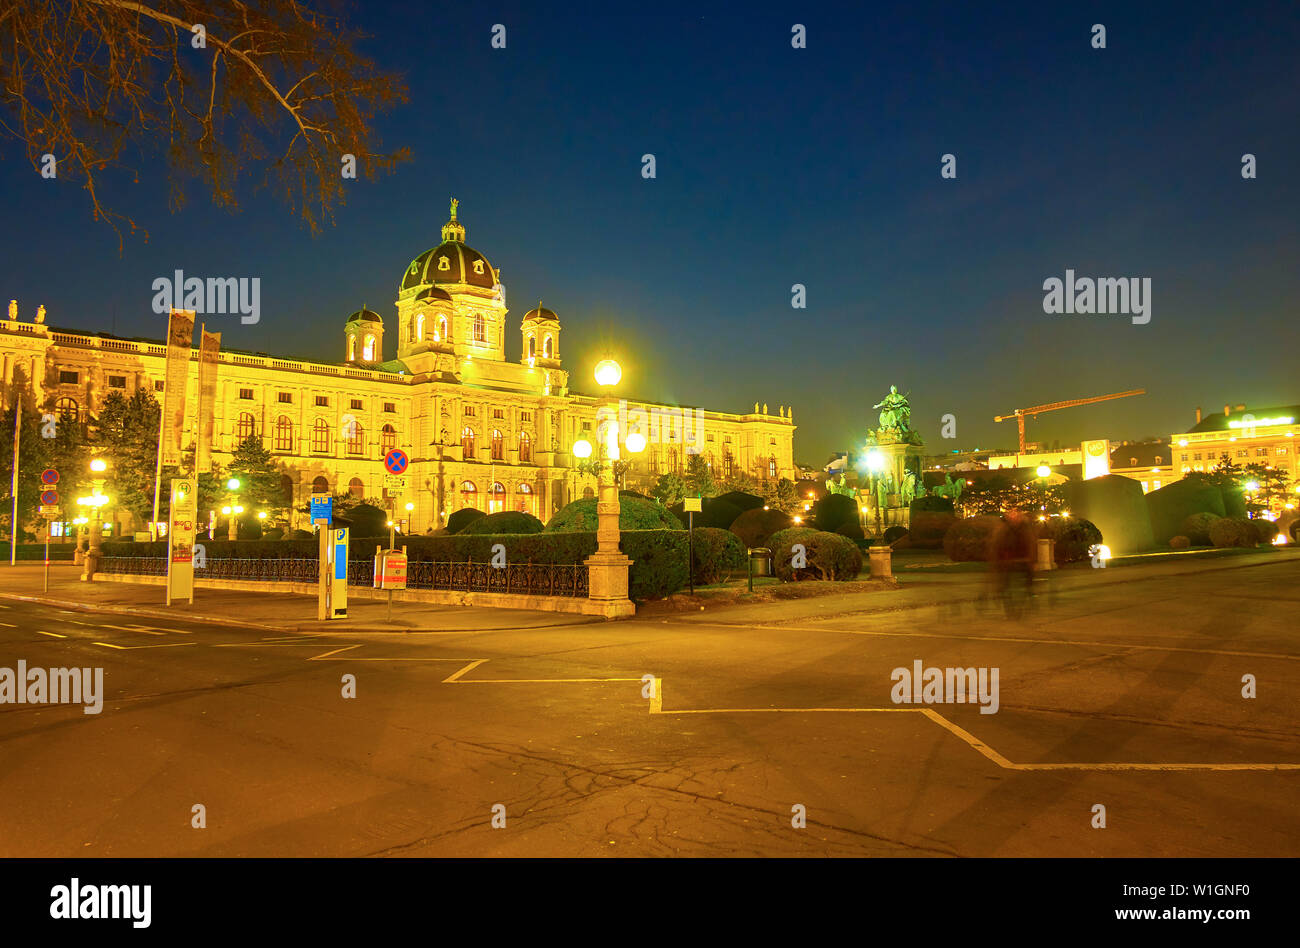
1125	694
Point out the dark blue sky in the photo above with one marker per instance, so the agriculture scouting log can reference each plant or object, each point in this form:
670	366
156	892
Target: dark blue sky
779	166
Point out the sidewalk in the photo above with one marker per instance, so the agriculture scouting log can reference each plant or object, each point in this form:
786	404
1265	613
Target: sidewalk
274	612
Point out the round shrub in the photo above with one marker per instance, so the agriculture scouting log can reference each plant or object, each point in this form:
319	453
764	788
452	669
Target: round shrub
782	543
755	527
505	521
275	533
462	518
717	552
1232	531
634	514
367	520
1196	527
1074	536
1265	530
1179	543
928	527
833	511
968	540
896	532
300	534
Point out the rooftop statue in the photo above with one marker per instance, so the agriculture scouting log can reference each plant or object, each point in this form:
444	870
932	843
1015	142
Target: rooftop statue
895	413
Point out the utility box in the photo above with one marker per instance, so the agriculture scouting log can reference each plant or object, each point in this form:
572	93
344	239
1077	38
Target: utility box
390	569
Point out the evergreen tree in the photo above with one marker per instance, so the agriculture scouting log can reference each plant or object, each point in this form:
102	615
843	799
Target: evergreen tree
699	479
126	437
669	489
261	482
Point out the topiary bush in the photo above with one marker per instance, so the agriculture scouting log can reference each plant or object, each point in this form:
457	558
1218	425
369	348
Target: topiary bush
717	552
833	511
658	561
1179	543
462	518
504	521
1074	536
782	545
929	527
634	514
851	529
1232	531
741	500
1196	527
275	533
1265	530
1172	504
367	520
968	540
755	527
896	532
717	513
931	503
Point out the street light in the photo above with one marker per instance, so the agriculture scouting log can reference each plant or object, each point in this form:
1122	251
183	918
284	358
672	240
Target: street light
608	568
96	502
232	510
876	462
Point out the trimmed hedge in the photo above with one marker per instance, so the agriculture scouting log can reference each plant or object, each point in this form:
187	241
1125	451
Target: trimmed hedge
1179	543
828	555
929	527
834	511
738	498
1074	536
1196	527
851	529
970	539
462	518
931	503
755	527
634	514
1233	531
895	532
504	521
1170	506
716	553
1265	530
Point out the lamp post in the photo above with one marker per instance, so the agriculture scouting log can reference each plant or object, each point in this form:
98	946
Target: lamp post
876	464
608	567
95	502
79	555
232	509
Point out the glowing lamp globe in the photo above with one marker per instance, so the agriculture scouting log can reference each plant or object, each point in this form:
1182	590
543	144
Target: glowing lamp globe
1044	470
232	484
582	448
98	465
608	372
636	442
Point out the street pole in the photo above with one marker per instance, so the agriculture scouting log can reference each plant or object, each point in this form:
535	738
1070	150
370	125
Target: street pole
13	524
690	556
47	556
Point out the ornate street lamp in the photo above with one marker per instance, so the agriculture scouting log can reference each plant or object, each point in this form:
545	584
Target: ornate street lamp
232	509
95	502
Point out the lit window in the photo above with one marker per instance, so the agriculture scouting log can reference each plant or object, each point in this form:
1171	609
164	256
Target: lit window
356	488
388	438
468	494
498	500
467	443
498	446
525	448
246	426
320	436
284	435
480	328
355	439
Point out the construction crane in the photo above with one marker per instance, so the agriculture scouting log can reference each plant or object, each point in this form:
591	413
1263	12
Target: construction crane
1020	413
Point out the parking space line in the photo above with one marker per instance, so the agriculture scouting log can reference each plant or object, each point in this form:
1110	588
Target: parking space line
8	625
472	665
54	634
130	647
656	707
130	628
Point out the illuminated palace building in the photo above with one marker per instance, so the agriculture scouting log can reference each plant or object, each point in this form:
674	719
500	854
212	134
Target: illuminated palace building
481	431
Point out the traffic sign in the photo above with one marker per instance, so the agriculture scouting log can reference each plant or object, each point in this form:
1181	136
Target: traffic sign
395	461
395	482
322	508
49	511
49	476
49	498
691	505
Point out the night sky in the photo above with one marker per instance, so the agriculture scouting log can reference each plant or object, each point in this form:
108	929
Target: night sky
778	166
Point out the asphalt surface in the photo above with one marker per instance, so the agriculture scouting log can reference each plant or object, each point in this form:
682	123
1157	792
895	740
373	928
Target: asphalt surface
1123	693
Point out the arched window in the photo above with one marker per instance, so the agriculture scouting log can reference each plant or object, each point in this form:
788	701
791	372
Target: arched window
532	346
368	351
388	438
548	350
524	498
468	494
67	409
246	428
525	448
672	461
441	334
320	436
726	465
467	443
498	499
480	328
352	348
320	485
284	435
419	328
356	488
356	439
586	493
771	467
498	446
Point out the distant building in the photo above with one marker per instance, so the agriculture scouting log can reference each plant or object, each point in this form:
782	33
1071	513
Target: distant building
1150	463
1252	435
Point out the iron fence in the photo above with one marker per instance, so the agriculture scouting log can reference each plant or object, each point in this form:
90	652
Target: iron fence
531	579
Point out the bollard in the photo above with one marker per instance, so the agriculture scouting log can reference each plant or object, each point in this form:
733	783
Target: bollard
1046	554
881	562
